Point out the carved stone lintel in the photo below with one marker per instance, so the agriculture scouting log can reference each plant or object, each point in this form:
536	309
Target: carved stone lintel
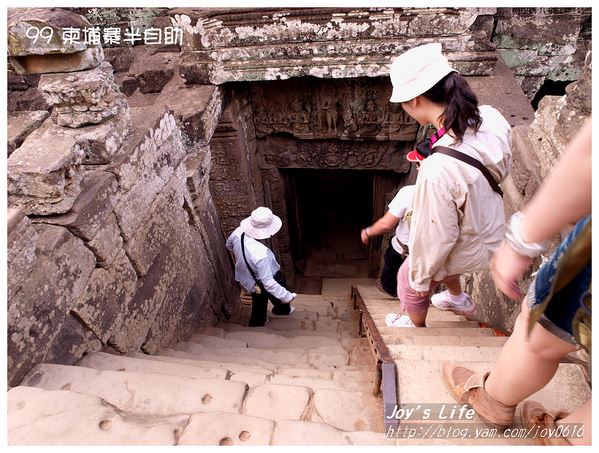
278	152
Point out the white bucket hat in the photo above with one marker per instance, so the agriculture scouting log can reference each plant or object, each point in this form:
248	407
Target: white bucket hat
416	71
262	224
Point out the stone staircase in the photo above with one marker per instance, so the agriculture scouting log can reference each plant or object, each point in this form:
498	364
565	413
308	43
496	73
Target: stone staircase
302	380
418	354
305	380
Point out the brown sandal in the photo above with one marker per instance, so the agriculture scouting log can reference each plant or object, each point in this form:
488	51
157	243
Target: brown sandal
534	414
468	387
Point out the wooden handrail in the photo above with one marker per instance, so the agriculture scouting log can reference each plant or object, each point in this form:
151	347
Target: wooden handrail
386	368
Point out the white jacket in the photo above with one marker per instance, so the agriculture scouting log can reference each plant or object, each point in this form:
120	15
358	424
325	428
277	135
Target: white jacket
263	263
458	220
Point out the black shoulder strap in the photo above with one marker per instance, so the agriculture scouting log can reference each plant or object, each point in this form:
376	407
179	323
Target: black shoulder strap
471	161
246	260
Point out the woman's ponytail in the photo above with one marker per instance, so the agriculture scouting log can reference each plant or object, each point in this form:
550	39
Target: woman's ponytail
461	104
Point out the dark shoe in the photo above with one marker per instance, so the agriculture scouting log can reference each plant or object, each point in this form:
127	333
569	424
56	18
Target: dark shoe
468	387
291	311
379	286
533	414
259	325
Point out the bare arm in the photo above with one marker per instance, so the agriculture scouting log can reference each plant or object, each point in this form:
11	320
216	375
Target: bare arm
386	223
565	196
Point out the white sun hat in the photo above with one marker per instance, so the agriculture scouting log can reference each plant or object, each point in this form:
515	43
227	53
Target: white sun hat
416	71
262	224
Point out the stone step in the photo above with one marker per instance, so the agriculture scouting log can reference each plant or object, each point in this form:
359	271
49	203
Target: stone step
566	390
319	300
362	356
434	340
142	393
251	378
63	417
320	384
324	356
322	308
187	359
347	410
433	314
215	357
217	342
445	352
300	314
277	402
213	331
379	320
391	333
103	361
342	286
305	433
261	340
221	428
233	327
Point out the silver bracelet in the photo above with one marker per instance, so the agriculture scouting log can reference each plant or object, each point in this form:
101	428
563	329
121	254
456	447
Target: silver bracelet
513	237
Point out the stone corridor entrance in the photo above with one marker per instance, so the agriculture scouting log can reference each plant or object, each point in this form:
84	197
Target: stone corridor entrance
326	209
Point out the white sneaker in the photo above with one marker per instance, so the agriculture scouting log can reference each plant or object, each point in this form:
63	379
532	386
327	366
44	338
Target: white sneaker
445	301
398	320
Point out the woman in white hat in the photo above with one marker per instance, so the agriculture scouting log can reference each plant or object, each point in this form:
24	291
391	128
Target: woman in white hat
256	267
458	217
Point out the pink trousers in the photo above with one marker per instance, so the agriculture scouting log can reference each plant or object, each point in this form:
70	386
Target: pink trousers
409	299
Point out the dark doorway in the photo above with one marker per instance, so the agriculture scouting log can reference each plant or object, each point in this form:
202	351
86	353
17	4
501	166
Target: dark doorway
326	211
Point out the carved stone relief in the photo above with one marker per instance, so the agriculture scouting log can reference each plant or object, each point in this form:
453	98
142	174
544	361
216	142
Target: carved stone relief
343	109
282	152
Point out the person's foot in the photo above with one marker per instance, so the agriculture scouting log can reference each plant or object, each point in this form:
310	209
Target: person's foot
398	320
535	415
291	311
461	304
259	325
468	387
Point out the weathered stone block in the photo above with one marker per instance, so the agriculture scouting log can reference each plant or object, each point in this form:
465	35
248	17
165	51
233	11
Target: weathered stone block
107	242
59	63
164	215
39	304
162	278
101	305
29	100
45	171
22	239
91	208
52	51
129	85
101	143
120	58
85	97
20	82
148	156
73	340
21	124
154	80
148	169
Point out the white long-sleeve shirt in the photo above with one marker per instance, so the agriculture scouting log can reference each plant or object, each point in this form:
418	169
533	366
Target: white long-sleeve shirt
263	264
458	220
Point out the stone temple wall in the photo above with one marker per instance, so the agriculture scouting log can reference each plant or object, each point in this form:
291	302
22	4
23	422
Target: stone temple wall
536	148
113	238
541	44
